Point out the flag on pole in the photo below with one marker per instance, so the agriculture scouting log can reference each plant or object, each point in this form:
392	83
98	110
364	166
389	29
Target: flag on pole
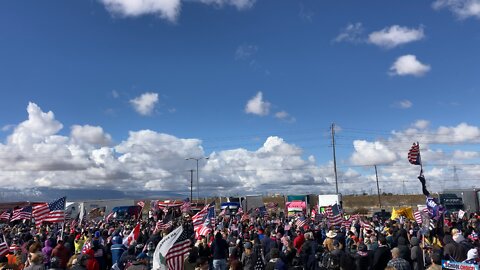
301	222
109	217
22	213
5	215
133	236
53	212
186	206
414	154
208	223
164	224
334	215
172	250
57	211
199	218
4	249
418	217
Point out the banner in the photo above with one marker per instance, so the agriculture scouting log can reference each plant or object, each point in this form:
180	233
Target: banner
459	265
159	260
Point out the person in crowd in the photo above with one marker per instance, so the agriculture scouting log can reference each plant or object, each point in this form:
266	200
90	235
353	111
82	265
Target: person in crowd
275	262
363	258
61	252
382	255
397	261
416	254
220	252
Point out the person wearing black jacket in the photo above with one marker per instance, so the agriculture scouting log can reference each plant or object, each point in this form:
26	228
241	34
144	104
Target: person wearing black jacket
382	255
362	258
404	249
220	252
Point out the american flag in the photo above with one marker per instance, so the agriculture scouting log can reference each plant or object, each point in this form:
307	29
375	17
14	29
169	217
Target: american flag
164	224
186	206
22	213
365	225
301	222
414	154
141	204
418	215
334	215
199	218
177	253
4	249
53	212
109	217
240	211
204	222
244	217
5	215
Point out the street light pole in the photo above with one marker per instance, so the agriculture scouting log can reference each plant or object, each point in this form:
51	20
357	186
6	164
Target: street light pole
198	185
191	186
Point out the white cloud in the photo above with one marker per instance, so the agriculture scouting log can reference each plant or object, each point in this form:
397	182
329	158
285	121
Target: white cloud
395	35
371	153
115	94
36	155
404	104
145	103
239	4
421	124
459	154
285	116
257	105
165	9
461	8
409	65
90	134
351	33
245	51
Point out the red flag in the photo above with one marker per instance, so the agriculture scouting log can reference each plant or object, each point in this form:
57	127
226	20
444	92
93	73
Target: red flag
133	236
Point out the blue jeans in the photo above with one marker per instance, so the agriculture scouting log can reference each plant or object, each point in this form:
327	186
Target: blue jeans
220	264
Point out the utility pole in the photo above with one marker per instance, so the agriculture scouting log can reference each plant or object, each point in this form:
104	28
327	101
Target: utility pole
334	158
191	186
378	188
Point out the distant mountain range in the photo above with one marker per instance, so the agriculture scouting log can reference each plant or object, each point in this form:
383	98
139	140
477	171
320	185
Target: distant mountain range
49	194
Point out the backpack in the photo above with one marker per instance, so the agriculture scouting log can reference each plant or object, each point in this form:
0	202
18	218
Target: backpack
331	262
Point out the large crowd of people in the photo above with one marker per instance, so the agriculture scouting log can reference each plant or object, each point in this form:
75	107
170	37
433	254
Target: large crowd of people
256	243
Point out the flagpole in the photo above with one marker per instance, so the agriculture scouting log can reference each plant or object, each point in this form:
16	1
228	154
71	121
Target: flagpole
421	165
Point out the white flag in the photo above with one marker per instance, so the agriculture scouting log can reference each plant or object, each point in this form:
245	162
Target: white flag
159	261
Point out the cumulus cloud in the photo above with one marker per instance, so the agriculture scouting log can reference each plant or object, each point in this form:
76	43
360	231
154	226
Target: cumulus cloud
145	103
461	8
36	155
395	35
165	9
371	153
256	105
409	65
90	134
352	33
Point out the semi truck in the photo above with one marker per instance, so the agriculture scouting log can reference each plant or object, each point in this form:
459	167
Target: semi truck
329	199
465	199
248	202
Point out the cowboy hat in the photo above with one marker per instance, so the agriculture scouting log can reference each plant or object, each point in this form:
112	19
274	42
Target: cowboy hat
331	234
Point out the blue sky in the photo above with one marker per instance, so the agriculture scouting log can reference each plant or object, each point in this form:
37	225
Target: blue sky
86	61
